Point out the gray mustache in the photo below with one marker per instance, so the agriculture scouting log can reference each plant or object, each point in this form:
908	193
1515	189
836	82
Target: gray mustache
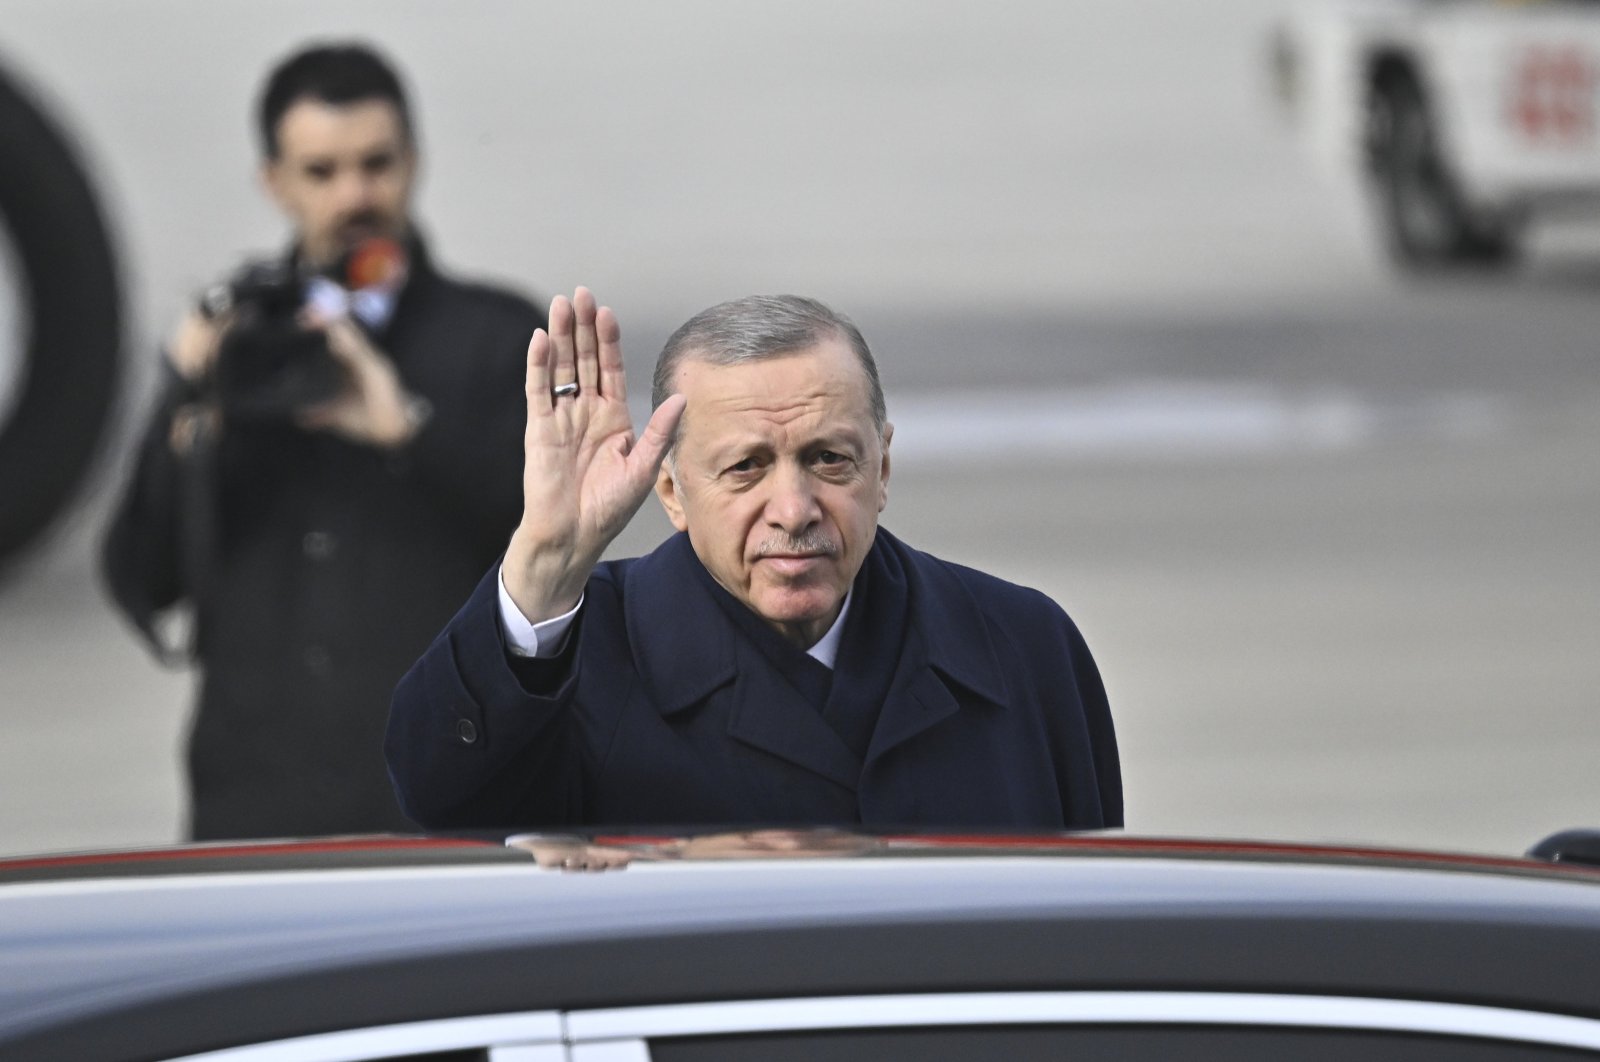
810	542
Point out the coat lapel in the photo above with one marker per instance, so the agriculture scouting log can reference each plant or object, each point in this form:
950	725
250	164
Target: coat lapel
948	654
770	715
918	700
687	649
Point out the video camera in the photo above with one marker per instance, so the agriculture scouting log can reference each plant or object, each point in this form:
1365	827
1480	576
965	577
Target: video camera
270	366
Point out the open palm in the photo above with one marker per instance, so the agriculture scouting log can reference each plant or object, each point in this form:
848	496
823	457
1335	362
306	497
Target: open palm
585	473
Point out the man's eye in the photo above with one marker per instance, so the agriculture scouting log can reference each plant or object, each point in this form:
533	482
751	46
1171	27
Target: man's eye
319	172
747	465
378	164
830	457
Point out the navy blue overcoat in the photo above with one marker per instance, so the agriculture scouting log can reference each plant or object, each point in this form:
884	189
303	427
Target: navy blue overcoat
662	712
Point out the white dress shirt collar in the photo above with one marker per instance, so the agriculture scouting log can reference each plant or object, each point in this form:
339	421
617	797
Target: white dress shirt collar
826	651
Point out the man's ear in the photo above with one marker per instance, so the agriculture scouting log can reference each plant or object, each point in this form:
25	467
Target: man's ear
412	161
271	177
667	491
883	471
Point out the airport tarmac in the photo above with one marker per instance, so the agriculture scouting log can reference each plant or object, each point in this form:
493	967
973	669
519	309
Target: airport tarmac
1319	618
1330	534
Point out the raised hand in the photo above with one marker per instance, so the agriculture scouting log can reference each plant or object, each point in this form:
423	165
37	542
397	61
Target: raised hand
584	472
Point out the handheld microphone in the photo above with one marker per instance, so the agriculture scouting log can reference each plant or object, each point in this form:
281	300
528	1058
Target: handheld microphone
375	262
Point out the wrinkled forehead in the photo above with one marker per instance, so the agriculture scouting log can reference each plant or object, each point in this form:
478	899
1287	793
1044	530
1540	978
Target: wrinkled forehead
813	388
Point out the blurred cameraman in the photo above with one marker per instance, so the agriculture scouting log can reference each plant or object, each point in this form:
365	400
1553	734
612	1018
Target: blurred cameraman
335	459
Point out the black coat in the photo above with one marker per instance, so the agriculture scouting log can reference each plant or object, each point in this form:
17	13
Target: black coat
662	711
330	566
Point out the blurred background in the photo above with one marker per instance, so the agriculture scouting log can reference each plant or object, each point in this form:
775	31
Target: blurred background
1328	522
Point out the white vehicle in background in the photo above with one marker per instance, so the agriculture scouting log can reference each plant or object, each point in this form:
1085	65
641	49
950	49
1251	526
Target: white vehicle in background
1469	116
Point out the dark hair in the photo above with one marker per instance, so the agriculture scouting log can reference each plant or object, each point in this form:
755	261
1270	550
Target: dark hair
763	326
327	73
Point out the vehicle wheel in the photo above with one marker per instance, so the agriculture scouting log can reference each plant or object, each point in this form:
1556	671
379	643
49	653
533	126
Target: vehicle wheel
1426	220
60	321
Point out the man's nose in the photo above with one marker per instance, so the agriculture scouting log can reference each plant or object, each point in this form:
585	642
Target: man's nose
356	189
792	505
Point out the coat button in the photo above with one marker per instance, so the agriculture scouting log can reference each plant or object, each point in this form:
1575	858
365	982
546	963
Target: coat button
466	731
318	545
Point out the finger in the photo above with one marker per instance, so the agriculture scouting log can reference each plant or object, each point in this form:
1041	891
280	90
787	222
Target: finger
562	370
343	340
326	417
644	462
613	380
537	383
314	419
313	317
586	342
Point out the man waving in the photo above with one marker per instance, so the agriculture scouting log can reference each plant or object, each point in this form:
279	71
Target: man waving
782	659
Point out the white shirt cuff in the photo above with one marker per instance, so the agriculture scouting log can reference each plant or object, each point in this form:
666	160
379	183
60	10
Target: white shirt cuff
543	640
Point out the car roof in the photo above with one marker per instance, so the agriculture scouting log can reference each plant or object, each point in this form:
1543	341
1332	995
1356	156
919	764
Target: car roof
389	929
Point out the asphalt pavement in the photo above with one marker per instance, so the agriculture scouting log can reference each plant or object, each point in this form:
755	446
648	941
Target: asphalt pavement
1329	532
1356	618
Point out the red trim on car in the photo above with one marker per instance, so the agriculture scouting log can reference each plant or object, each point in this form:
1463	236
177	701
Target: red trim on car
1096	844
1087	844
268	848
1163	845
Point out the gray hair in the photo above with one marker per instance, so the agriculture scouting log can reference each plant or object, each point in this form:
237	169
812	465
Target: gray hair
762	326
